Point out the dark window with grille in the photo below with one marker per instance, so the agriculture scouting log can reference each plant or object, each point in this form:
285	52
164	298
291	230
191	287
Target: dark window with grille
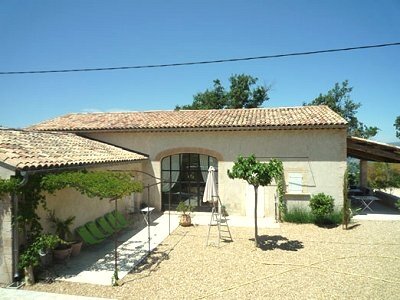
184	177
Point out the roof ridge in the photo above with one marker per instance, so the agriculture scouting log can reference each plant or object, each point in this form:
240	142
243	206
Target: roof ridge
180	110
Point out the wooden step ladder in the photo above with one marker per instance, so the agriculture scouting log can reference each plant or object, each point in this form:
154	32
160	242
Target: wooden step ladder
218	219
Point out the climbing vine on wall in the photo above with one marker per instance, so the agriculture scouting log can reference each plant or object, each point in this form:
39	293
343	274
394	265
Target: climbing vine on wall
281	189
8	186
102	184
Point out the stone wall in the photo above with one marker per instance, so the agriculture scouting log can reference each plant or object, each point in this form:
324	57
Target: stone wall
5	233
5	240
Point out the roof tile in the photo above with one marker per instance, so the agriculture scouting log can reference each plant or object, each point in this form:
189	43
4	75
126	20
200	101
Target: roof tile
41	150
287	117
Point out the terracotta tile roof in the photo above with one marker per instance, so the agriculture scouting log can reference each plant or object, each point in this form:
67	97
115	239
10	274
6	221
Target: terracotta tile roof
25	150
287	117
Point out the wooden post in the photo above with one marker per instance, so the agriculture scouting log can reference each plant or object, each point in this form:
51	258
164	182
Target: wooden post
363	173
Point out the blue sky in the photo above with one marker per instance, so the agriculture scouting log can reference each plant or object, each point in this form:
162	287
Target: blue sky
39	34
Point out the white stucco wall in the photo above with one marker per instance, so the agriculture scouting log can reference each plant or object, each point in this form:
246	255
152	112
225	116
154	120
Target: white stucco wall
69	202
319	154
6	173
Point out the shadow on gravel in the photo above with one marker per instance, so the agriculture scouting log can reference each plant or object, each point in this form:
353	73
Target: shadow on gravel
353	226
272	242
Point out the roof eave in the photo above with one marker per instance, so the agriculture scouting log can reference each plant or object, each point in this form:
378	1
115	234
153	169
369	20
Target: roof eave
67	167
191	129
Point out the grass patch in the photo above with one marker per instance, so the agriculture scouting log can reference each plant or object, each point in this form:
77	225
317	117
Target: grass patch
300	215
334	218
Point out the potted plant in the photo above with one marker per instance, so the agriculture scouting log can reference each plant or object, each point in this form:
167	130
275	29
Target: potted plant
223	211
62	228
185	211
30	258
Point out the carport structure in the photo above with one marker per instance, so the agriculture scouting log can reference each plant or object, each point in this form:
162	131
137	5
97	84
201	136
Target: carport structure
367	150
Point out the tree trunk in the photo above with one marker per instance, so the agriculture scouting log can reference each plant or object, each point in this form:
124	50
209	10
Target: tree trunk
255	215
29	276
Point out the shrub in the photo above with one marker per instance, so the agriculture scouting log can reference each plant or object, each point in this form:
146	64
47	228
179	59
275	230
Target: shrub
299	215
397	204
333	218
321	205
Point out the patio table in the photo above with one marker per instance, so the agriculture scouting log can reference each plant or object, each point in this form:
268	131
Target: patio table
146	213
354	192
366	201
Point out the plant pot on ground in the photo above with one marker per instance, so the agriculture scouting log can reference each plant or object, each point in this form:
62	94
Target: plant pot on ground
185	210
62	227
62	252
76	248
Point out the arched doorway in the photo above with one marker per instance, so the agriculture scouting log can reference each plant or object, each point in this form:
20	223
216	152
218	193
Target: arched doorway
187	174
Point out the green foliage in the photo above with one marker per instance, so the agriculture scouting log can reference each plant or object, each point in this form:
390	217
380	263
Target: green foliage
298	215
334	218
397	204
184	208
32	197
28	220
62	227
102	184
240	95
383	175
397	126
256	174
9	186
353	172
277	170
346	203
338	99
31	257
321	205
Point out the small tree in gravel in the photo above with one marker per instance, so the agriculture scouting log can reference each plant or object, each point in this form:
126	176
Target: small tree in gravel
321	206
256	174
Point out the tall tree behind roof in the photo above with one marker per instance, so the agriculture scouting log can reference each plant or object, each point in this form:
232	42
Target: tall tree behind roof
397	126
338	99
241	94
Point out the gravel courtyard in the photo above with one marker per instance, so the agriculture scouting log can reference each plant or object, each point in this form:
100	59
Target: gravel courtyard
295	262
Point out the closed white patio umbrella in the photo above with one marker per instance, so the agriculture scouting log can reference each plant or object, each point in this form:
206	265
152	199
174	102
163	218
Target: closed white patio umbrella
211	195
210	190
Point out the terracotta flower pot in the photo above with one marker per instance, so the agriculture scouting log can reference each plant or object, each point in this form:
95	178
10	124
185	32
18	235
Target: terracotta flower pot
185	220
76	248
62	253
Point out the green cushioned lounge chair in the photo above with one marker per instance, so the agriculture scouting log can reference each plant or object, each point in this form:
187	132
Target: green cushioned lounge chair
113	221
120	218
105	226
95	231
87	237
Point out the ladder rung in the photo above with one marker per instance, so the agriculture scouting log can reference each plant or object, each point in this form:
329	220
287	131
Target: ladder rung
220	220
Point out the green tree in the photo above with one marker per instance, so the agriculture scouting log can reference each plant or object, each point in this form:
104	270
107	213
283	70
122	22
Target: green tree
397	126
339	100
257	174
241	94
383	176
